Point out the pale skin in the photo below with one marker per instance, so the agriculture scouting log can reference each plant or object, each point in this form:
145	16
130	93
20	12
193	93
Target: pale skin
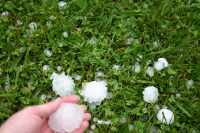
34	119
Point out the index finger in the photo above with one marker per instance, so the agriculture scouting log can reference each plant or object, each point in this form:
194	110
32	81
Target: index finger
47	109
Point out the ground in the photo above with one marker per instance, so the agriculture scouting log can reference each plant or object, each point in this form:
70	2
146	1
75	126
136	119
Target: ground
102	33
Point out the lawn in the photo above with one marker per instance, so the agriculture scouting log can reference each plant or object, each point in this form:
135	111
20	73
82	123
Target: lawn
84	37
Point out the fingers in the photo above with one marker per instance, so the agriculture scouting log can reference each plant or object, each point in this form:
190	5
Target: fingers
86	117
85	123
83	127
70	99
47	109
45	128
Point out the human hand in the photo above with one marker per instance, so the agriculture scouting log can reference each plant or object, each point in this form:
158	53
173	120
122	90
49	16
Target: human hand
34	119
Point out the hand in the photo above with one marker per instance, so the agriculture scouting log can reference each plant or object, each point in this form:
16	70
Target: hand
34	119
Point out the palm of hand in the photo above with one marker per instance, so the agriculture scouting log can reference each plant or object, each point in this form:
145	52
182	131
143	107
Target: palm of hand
35	119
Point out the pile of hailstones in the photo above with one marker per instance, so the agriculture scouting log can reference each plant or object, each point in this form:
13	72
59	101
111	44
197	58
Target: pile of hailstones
94	93
150	95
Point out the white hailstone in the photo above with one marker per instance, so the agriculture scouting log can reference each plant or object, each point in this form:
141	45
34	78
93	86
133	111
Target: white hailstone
155	44
178	95
65	34
161	64
59	68
116	67
52	17
189	83
150	94
43	97
33	26
93	126
99	74
129	41
67	118
5	13
19	22
77	77
103	122
61	4
150	71
95	119
22	49
136	67
46	68
93	40
62	85
165	116
94	92
47	52
7	83
123	120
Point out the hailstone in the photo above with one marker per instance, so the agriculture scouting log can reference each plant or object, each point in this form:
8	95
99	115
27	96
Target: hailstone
61	4
189	83
77	77
93	40
150	94
65	34
6	13
47	52
67	118
116	67
165	116
150	71
46	68
33	26
99	74
136	67
62	85
95	92
161	64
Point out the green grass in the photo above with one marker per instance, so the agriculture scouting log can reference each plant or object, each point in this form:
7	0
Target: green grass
173	24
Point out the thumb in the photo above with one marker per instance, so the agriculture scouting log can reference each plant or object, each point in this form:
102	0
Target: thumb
47	109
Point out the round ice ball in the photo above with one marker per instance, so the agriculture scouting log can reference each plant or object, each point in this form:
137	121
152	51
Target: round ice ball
161	64
67	118
165	116
150	94
95	92
62	85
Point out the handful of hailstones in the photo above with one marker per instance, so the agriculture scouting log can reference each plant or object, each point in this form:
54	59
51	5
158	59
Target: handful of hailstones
67	118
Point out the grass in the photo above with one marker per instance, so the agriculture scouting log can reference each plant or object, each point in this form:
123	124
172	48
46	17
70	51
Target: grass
173	25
